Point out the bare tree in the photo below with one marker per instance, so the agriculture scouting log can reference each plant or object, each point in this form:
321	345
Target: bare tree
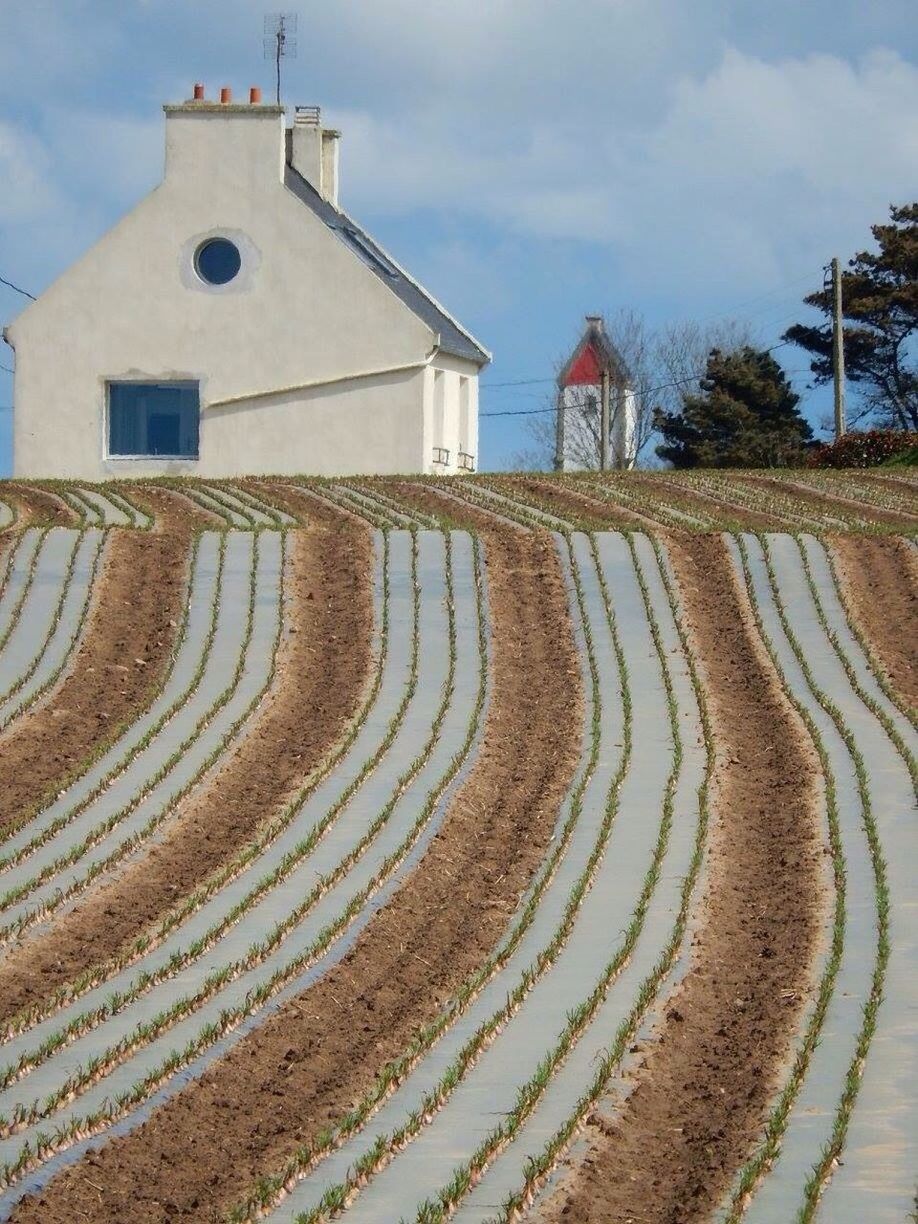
661	365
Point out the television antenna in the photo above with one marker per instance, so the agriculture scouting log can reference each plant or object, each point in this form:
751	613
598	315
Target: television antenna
280	41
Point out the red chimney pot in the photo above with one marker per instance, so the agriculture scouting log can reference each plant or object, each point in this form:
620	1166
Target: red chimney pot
198	93
226	94
255	95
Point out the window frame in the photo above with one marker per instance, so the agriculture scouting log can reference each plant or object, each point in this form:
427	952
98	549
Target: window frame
146	457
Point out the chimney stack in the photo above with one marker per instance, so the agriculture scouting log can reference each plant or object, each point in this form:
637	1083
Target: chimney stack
198	93
255	96
313	152
226	95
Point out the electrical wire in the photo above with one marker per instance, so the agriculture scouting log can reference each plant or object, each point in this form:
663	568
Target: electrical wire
24	292
679	382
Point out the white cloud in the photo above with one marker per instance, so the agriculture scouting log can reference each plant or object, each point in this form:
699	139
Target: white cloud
25	172
751	167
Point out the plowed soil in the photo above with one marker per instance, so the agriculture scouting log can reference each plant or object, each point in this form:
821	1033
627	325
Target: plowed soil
307	509
117	669
879	578
322	669
711	503
831	504
565	500
171	511
703	1090
39	506
306	1066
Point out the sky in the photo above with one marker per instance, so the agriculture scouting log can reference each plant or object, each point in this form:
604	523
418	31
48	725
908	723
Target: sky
529	161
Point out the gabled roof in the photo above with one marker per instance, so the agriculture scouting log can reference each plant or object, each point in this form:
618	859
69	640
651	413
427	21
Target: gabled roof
594	353
454	339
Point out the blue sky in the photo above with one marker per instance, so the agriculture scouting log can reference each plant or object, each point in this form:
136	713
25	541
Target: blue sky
531	161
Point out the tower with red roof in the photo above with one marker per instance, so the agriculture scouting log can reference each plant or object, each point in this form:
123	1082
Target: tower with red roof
580	389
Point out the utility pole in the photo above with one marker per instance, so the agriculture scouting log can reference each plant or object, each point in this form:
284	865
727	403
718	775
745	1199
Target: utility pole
604	422
559	432
838	350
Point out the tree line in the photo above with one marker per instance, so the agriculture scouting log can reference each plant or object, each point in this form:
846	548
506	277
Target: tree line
708	396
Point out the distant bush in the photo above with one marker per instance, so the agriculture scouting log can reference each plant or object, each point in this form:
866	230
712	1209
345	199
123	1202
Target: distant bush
862	449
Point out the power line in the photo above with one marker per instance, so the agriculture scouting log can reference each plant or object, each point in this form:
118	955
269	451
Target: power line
24	292
679	382
9	369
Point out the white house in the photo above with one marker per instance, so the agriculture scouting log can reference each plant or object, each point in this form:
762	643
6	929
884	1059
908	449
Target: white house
238	321
595	362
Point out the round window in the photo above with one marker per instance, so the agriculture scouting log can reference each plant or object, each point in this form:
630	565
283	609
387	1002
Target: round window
217	261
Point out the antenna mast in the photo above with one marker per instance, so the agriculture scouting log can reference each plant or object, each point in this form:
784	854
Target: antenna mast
279	41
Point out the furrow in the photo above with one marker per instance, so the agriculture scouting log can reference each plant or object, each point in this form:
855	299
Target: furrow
63	633
20	572
423	1077
391	854
875	1127
268	514
668	1148
36	616
365	507
877	584
654	937
540	1036
108	510
235	673
666	511
378	506
200	610
770	1185
230	518
137	518
418	517
532	517
186	941
243	515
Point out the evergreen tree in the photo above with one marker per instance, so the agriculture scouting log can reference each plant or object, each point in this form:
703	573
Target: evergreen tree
880	307
745	415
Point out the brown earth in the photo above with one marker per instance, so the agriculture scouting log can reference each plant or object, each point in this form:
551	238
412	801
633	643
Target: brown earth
41	506
322	669
707	1080
564	500
729	511
306	1066
119	664
825	503
656	488
171	511
303	506
879	578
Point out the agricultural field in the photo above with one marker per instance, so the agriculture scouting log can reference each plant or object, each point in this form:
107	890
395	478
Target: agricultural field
488	848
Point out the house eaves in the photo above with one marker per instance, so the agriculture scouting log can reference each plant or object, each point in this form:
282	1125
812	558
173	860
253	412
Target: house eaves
453	338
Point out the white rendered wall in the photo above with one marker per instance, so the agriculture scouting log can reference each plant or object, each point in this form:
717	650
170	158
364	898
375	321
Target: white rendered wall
622	435
445	424
303	308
